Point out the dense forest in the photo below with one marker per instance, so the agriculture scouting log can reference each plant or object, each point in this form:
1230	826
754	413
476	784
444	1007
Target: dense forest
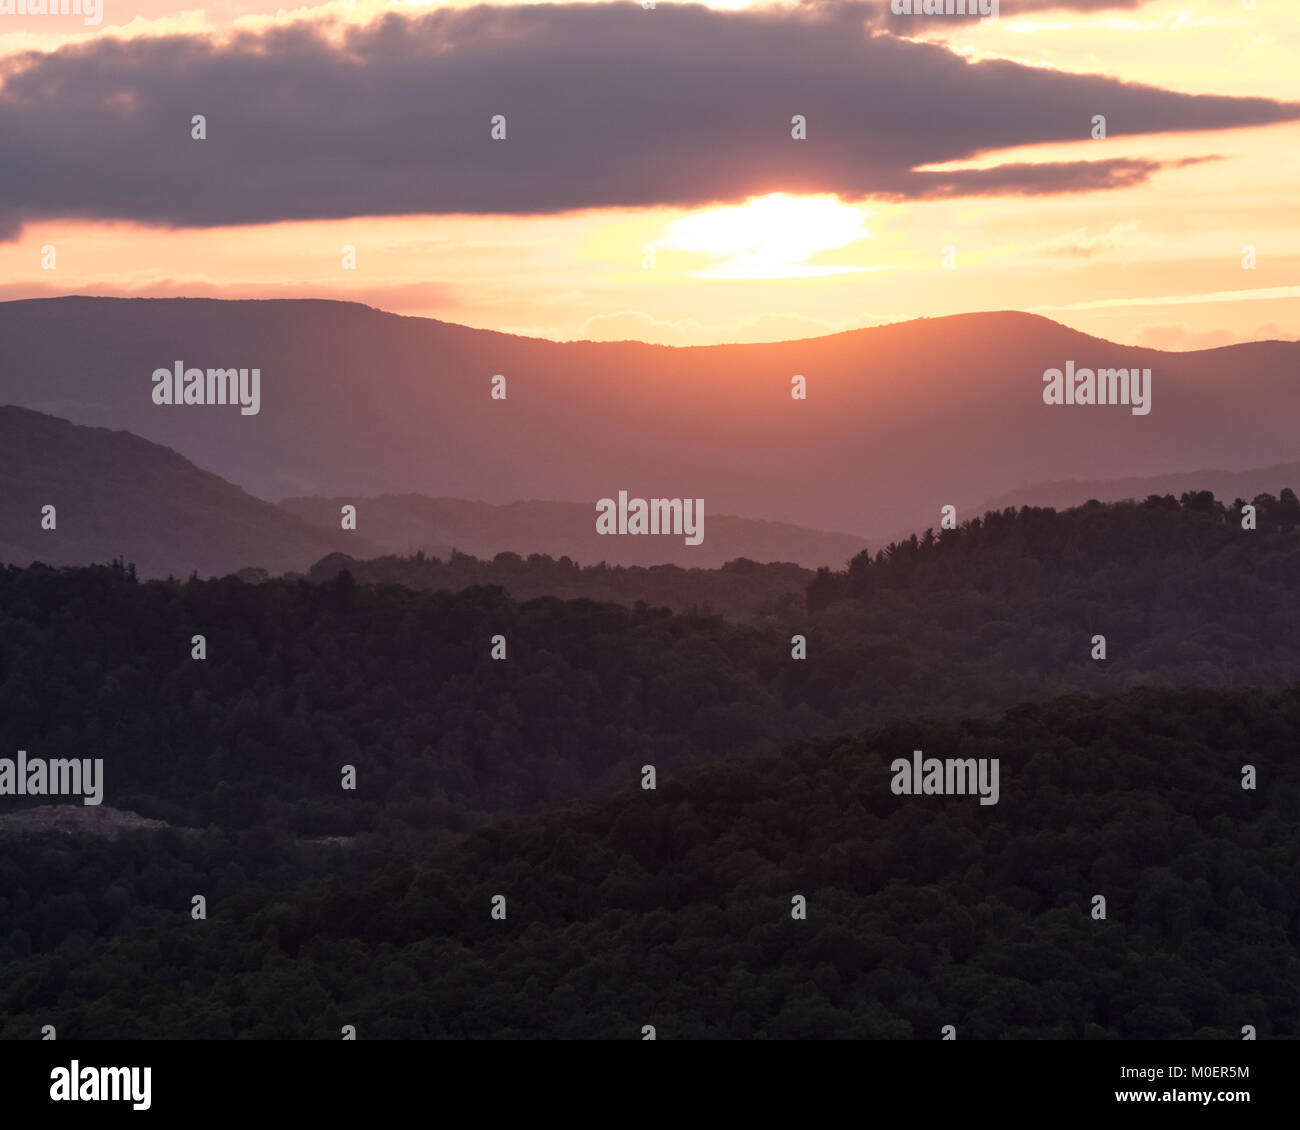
301	678
1120	544
673	907
519	776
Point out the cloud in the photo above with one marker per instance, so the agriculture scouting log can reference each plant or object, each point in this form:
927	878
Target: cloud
880	10
1257	294
607	105
1178	338
1082	244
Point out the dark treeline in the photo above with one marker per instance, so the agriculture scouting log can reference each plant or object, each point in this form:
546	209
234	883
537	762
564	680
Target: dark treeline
1041	548
672	907
1003	608
301	679
738	588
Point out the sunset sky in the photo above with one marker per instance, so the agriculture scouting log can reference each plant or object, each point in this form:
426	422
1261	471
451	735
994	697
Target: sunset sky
368	125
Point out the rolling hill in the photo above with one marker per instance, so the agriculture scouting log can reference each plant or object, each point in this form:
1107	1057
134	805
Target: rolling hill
899	420
119	496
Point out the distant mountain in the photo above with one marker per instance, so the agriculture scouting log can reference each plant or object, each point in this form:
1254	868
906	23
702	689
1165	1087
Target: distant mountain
899	420
117	495
410	522
1226	485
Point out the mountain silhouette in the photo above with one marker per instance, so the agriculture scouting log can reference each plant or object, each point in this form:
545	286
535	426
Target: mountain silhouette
116	495
899	420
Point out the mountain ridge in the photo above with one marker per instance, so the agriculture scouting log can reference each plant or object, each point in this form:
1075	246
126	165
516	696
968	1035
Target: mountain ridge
357	401
117	494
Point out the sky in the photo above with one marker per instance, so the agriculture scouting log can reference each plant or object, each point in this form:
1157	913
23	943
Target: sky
649	184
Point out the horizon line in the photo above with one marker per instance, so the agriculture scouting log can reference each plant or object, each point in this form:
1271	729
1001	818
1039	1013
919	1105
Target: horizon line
1026	314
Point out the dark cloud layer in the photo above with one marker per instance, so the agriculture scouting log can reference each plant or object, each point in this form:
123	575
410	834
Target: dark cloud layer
606	105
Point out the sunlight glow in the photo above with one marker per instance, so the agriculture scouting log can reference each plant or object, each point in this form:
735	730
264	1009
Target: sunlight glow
769	237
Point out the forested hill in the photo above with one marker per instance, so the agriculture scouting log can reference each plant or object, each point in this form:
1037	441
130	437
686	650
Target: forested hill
1108	548
673	907
1001	554
739	588
115	495
300	679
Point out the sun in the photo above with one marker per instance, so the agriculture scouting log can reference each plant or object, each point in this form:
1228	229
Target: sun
769	237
